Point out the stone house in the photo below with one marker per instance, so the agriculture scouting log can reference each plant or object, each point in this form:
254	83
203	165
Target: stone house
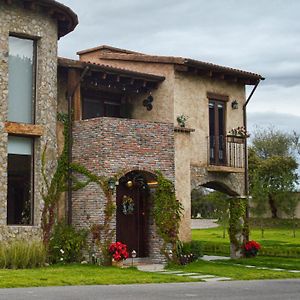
125	107
29	31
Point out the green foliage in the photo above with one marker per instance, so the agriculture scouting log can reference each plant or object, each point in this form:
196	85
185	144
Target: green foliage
236	221
271	142
66	244
167	212
22	254
272	170
189	251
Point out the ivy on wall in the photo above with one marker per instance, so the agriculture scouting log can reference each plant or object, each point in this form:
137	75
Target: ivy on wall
58	184
167	212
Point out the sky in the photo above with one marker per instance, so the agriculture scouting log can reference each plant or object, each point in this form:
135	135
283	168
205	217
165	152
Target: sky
257	36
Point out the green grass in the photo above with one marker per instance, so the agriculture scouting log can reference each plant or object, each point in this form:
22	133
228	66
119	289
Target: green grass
270	262
60	275
276	242
272	236
228	269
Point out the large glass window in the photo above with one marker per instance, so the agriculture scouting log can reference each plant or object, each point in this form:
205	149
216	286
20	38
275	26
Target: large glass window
21	79
20	181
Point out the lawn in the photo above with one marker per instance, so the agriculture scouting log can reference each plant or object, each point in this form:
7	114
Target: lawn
276	242
272	236
229	269
76	274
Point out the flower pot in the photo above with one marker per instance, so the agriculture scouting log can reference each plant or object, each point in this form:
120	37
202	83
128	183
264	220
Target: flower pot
118	264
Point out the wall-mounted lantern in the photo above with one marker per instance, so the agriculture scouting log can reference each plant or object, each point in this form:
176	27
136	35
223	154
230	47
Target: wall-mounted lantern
148	102
111	184
234	104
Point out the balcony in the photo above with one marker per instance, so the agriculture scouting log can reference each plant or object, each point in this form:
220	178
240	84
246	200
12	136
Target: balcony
226	153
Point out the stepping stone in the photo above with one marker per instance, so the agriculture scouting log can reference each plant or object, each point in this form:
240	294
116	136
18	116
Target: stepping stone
186	274
202	276
216	279
277	269
170	272
293	271
247	266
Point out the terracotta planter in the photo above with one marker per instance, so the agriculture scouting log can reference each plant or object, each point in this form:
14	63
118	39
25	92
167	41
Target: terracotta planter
118	264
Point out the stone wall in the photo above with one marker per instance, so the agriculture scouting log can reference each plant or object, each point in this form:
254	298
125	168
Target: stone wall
42	28
109	146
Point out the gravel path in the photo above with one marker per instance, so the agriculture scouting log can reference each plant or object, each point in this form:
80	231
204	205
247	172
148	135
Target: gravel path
204	223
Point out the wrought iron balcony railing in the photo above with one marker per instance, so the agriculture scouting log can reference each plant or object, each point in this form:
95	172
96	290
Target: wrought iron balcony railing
226	151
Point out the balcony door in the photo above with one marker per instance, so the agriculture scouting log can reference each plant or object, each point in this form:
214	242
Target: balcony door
217	134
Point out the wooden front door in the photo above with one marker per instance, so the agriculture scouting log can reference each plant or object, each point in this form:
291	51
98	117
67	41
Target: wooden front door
131	224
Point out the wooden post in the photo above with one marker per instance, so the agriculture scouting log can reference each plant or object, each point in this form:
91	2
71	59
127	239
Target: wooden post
73	80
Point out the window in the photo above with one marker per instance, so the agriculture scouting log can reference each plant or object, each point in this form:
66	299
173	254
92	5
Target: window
20	181
217	138
101	105
21	79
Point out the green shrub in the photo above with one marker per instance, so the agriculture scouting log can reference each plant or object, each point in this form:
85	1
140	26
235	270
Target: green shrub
189	252
22	254
66	244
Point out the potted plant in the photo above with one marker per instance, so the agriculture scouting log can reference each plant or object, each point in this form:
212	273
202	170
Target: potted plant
181	120
237	135
118	253
251	248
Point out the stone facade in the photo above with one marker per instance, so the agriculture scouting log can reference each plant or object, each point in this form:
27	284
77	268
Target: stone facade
109	146
43	29
186	93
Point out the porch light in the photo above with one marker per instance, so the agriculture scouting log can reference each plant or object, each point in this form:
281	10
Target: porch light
234	104
111	184
129	183
133	256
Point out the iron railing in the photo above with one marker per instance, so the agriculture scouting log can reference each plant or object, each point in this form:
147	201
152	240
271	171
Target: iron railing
226	151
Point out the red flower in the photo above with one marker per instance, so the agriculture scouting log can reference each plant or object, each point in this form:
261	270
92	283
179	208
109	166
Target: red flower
118	251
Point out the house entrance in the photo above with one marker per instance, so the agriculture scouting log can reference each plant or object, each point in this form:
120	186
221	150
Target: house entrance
132	212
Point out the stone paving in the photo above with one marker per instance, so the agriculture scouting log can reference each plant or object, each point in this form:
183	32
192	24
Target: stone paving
159	269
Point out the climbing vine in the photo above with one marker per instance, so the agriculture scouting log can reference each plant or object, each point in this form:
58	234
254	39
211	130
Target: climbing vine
167	212
58	184
237	224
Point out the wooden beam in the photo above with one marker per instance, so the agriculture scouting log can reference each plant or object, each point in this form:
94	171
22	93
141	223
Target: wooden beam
73	79
215	96
181	68
24	129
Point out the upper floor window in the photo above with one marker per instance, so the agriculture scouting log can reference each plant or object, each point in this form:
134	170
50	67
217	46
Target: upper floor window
101	105
21	79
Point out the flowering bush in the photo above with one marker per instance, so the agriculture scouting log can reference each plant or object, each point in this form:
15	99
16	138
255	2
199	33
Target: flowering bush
251	248
239	131
118	251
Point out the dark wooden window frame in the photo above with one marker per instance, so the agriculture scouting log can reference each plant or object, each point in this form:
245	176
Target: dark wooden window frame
32	183
218	99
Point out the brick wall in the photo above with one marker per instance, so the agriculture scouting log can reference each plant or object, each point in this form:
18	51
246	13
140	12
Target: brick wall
107	146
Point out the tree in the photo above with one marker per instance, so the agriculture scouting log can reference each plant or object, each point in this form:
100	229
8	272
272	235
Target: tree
272	168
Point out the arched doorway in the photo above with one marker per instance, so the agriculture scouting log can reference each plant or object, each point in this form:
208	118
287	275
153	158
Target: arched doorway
132	213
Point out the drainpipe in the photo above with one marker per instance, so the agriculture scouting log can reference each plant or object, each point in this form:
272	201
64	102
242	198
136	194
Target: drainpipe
246	150
70	143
